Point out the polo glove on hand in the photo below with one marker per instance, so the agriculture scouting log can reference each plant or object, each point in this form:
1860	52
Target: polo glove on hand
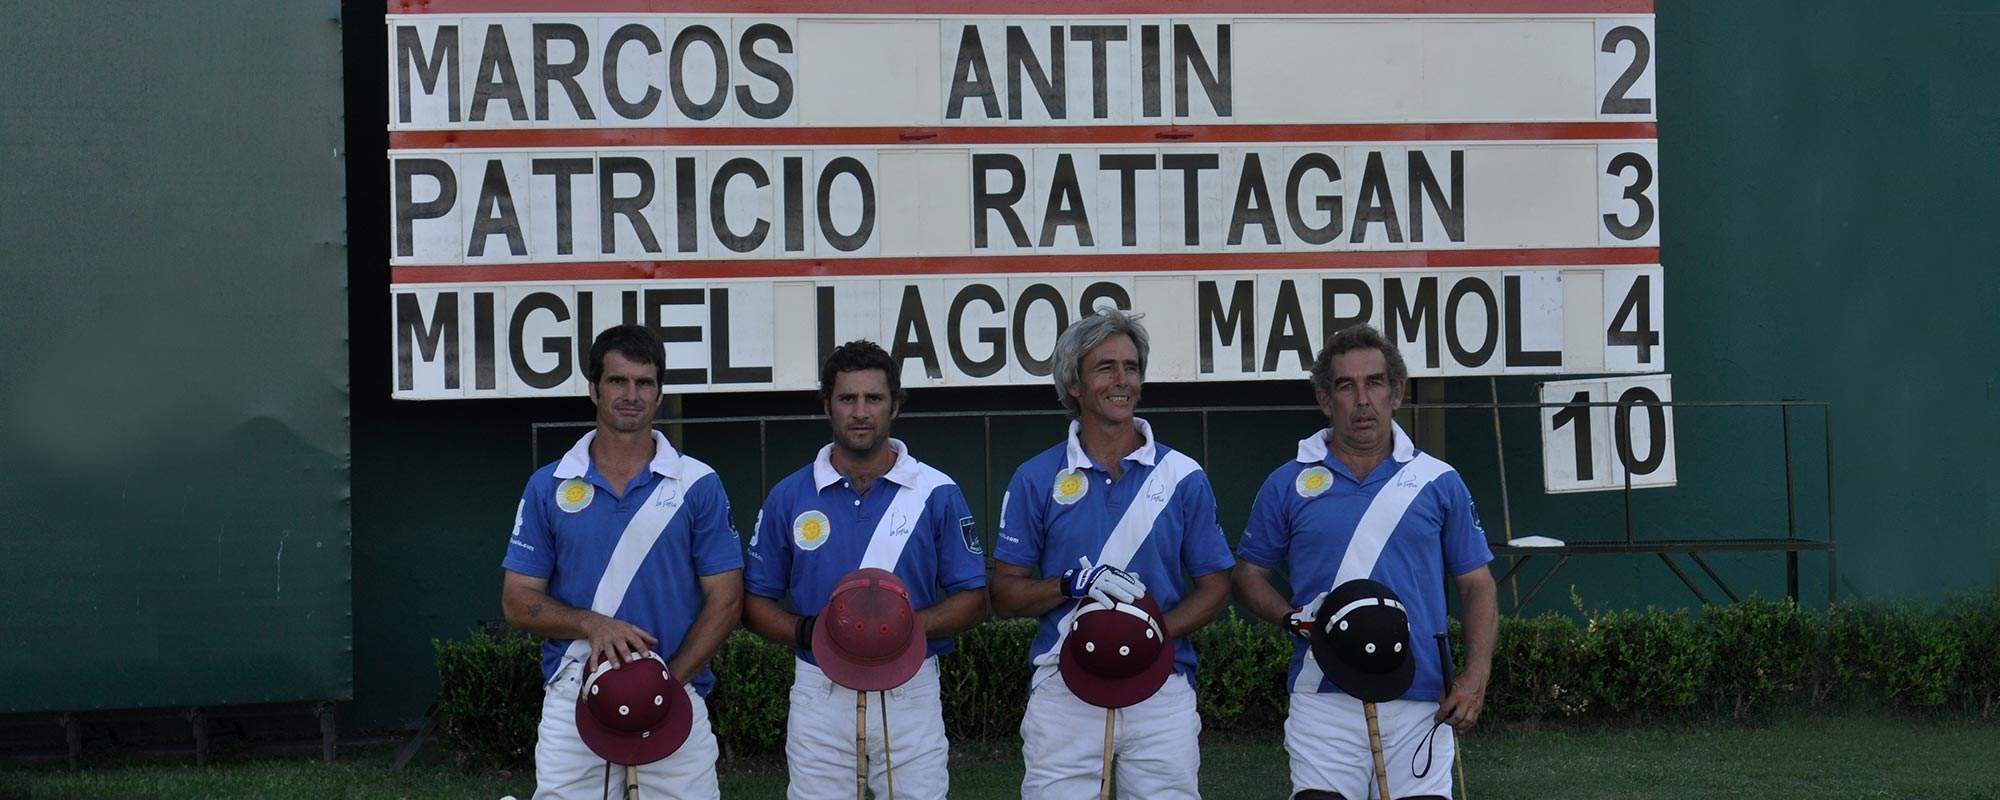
802	634
1300	623
1102	583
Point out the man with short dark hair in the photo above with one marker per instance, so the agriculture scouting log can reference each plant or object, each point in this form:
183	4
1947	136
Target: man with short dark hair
1360	501
623	547
864	504
1111	516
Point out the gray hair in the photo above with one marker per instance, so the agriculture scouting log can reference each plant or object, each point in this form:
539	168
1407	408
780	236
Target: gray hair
1358	337
1066	363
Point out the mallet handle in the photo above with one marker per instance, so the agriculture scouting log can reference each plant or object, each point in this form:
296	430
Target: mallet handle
631	782
1104	782
1375	749
860	745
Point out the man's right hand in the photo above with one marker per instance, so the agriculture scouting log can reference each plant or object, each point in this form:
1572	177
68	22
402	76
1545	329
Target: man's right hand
1300	623
615	640
1102	583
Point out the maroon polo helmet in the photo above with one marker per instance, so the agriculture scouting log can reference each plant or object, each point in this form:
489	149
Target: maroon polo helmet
868	638
635	713
1116	655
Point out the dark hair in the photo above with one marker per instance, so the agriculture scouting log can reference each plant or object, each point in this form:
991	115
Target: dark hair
635	342
1358	337
856	356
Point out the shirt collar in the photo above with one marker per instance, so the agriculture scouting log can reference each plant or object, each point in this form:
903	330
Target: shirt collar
1081	460
903	473
1313	450
576	462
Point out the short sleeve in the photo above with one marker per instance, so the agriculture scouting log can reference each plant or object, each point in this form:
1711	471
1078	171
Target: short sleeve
1464	541
961	553
770	549
713	541
1267	537
531	548
1021	535
1203	548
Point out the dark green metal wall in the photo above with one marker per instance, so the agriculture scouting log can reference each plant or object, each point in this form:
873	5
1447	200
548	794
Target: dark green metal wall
1828	174
174	373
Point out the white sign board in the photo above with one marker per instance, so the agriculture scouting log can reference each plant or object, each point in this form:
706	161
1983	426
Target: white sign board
1589	447
759	187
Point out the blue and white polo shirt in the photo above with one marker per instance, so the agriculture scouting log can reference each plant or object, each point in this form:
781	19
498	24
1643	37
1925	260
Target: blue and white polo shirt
814	528
1156	520
1407	525
637	557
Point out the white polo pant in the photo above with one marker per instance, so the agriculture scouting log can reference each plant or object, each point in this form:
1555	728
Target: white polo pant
1326	736
1156	743
566	769
819	738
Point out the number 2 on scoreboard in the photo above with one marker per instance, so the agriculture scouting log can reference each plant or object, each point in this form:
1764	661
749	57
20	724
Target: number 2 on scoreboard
1625	80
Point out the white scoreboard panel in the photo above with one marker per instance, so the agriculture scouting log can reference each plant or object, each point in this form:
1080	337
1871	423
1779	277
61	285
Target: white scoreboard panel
1599	447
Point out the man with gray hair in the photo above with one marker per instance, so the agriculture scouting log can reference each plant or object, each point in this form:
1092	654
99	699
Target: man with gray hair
1109	518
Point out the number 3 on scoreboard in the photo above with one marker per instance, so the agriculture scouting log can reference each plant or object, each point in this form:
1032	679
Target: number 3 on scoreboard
1625	69
1628	193
1635	310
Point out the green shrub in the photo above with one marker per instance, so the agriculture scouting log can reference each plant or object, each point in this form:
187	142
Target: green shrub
1243	662
490	696
1645	663
1764	651
753	691
1539	671
1894	654
983	681
1975	622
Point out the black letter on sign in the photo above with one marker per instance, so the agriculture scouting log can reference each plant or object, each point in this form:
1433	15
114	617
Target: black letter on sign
1190	165
684	203
412	335
1288	330
993	337
1098	36
1003	202
913	334
1476	287
1330	292
718	344
718	214
408	211
1516	356
610	205
1253	203
1050	86
1214	82
795	203
1423	182
563	169
846	242
1102	290
495	78
1329	203
1377	204
1127	166
971	78
443	61
1040	292
565	74
1065	205
1401	320
655	299
484	370
584	331
707	109
651	99
1231	324
559	345
765	68
496	214
824	314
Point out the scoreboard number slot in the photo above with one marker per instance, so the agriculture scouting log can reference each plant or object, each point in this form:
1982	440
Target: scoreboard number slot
1591	448
1625	76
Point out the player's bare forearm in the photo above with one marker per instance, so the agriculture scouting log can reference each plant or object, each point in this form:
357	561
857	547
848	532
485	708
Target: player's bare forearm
1200	607
721	606
1017	594
1256	594
955	614
1479	605
527	606
768	618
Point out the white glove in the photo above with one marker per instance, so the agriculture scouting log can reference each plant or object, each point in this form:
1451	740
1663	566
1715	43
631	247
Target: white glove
1300	623
1102	583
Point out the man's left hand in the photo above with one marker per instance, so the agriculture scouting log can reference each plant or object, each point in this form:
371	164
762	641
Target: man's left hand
1460	706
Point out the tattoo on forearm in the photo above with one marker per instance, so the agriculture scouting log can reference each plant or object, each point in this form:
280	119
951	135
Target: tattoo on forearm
535	610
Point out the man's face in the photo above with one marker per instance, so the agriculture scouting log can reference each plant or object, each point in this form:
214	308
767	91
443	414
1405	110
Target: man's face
860	409
627	393
1361	400
1108	382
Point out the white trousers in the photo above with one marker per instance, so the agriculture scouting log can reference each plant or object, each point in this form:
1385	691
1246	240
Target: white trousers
1155	743
566	769
819	738
1326	736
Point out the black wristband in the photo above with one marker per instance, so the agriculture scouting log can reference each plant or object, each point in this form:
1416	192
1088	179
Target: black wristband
802	634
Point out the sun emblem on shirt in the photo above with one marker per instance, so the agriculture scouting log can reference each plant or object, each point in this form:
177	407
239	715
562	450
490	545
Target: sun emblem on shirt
1313	481
810	530
1070	486
574	495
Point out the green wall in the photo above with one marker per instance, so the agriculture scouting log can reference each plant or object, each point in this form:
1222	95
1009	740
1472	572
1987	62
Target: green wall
1827	174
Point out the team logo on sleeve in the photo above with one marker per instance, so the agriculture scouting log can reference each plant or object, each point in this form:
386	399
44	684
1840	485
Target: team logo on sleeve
574	495
970	532
810	530
1070	487
756	527
1313	481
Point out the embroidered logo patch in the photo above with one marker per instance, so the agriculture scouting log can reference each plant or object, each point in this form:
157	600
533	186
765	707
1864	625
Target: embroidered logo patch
756	527
811	530
971	533
1313	481
575	495
1070	487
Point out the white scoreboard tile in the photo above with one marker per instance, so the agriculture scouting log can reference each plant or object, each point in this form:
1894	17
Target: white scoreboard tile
1166	299
1502	70
421	98
1531	196
975	347
1535	322
764	69
745	351
1411	319
871	71
1583	321
795	187
1040	312
848	199
1314	212
572	96
972	52
1628	193
641	217
795	356
1378	204
857	312
1634	322
427	325
1253	199
1471	322
924	197
1063	178
538	348
632	52
1128	196
687	187
1436	210
678	312
1202	90
426	207
699	53
1327	71
1288	323
1576	437
500	84
1006	212
558	208
1191	206
913	321
493	193
1624	69
1226	325
1595	448
1348	299
1642	428
1088	293
742	200
1099	74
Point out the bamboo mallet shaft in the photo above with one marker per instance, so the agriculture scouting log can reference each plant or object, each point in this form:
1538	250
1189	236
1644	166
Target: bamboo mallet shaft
1375	749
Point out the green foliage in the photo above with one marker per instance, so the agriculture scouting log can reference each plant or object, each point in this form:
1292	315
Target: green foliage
1975	623
1539	671
1643	663
490	696
1242	671
753	691
983	681
1896	654
1764	652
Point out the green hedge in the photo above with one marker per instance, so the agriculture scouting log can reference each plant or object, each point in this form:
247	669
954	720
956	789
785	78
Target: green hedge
1733	662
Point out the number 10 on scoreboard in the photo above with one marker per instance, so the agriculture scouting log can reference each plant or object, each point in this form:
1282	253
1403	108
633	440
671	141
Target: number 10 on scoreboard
1589	448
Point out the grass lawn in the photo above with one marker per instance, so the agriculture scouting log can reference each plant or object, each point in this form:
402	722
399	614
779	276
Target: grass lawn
1844	756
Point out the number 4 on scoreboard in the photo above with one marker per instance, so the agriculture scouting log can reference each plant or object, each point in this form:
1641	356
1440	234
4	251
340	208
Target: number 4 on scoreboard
1635	306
